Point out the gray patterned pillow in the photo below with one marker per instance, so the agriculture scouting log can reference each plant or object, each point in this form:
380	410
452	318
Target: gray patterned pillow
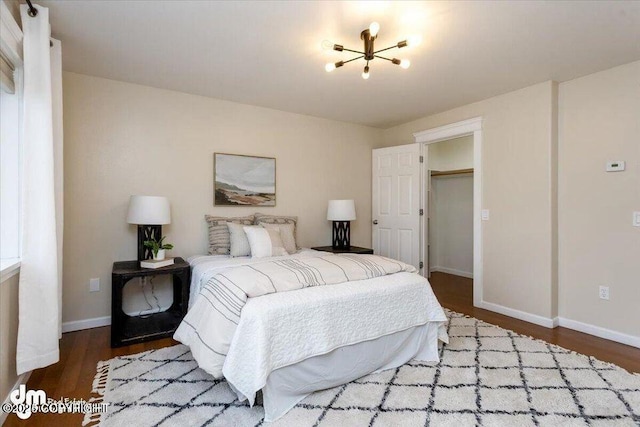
219	238
239	242
261	219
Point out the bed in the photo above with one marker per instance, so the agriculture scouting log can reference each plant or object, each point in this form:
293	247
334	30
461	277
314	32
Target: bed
290	344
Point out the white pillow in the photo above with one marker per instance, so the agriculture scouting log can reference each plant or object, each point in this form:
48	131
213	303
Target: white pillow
263	242
287	233
238	238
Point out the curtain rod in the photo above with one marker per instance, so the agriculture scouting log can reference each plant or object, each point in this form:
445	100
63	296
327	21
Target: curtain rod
32	10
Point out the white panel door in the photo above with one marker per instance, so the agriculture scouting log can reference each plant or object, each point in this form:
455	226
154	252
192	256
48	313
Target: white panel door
396	203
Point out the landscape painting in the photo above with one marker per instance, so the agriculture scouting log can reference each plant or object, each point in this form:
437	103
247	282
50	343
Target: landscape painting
244	180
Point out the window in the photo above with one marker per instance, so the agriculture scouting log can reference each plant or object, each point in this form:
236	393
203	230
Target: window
10	130
9	174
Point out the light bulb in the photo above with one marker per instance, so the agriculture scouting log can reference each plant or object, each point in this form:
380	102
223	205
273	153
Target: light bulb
405	63
414	40
329	67
327	45
365	73
374	28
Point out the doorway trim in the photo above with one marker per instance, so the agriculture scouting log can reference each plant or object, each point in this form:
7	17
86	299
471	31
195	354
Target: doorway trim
455	130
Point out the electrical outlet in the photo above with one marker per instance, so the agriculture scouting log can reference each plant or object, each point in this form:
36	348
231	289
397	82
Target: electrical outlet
615	166
604	292
94	285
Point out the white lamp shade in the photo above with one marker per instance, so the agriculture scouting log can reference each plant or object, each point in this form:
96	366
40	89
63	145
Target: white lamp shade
149	210
341	210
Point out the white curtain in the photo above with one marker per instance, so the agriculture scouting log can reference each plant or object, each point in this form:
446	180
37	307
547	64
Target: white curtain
40	281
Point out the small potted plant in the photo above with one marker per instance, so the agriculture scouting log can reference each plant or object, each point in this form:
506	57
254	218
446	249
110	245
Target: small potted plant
158	247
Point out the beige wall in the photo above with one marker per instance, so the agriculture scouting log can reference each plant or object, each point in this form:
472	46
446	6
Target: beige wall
518	163
123	139
8	334
600	122
451	154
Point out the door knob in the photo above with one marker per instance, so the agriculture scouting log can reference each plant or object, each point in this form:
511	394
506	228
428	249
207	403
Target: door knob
375	222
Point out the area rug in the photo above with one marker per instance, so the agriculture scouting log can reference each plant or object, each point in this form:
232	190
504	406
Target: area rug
487	376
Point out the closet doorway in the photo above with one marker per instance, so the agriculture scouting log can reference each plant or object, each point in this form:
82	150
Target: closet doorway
451	199
449	188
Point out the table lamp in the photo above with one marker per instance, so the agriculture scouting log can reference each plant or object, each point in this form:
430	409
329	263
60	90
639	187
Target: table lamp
149	213
341	212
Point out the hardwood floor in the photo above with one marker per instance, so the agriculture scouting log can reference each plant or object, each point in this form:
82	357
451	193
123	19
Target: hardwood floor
456	293
72	376
80	351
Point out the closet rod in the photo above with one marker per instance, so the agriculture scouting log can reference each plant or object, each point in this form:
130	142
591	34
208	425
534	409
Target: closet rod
452	172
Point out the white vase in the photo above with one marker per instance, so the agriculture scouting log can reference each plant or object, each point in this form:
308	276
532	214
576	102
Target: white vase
160	255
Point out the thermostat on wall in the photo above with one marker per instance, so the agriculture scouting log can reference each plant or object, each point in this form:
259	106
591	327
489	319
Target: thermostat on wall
615	166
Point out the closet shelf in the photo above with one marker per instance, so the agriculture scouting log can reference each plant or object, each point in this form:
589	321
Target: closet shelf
451	172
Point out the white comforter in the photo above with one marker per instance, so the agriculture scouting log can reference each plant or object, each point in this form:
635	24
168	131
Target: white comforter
281	329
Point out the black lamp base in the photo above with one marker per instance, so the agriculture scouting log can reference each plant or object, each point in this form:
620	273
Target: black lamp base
147	232
341	235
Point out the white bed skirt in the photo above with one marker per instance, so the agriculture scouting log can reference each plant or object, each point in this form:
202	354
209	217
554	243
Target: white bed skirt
287	386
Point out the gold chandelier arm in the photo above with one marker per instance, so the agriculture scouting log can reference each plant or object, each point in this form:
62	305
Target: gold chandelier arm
402	63
382	57
353	59
390	47
351	50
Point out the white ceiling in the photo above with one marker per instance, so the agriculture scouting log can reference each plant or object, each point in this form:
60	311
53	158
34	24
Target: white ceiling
268	53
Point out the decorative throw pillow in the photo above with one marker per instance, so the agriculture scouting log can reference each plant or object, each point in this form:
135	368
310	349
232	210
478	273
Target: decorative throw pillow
277	247
287	234
261	219
263	242
219	238
239	245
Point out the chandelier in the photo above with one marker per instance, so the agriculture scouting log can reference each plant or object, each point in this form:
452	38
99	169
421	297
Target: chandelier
368	36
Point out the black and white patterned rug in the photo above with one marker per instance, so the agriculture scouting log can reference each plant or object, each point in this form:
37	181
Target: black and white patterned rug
487	376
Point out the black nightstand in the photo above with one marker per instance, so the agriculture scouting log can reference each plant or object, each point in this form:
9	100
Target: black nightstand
126	329
351	250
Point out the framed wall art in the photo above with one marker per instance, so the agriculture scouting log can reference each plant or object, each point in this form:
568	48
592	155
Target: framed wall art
240	180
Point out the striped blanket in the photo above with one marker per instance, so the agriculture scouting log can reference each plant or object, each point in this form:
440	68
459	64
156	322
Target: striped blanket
221	300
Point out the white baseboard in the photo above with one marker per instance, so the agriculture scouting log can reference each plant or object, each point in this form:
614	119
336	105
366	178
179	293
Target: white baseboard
587	328
522	315
452	271
78	325
598	331
22	379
